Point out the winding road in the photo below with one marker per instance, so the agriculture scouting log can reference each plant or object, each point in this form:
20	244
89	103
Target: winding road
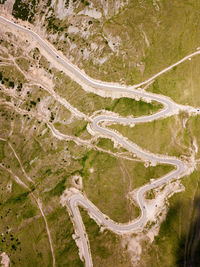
169	108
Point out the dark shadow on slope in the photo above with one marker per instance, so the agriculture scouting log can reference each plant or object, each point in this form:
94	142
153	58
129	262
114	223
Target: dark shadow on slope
188	253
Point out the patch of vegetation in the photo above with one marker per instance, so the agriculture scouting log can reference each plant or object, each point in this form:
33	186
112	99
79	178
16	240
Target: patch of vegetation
48	2
23	63
106	143
150	194
28	242
2	2
20	227
54	24
59	188
66	251
44	63
181	83
11	76
76	128
127	106
25	10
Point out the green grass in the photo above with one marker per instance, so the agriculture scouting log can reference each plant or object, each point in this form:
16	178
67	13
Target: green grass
59	188
20	213
10	74
181	83
127	106
23	63
142	175
2	154
25	11
160	136
150	194
10	162
23	234
35	244
66	251
5	117
77	128
107	144
44	63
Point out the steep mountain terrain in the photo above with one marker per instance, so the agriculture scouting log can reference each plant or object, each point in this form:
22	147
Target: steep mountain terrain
49	148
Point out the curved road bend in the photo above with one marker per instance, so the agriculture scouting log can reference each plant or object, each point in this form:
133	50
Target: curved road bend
181	169
138	224
169	108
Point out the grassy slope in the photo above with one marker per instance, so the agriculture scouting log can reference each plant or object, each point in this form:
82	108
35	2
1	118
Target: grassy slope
18	210
62	231
181	83
164	136
24	237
